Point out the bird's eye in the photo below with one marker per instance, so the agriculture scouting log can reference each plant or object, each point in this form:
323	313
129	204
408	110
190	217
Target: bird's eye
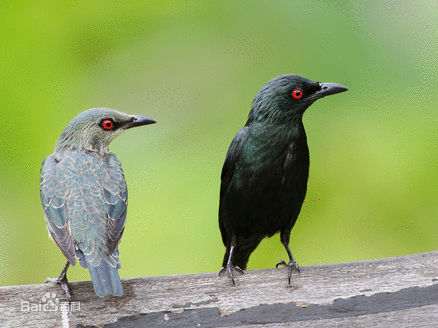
297	94
107	125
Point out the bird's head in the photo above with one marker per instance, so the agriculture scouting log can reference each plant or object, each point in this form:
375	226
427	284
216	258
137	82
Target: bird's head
94	129
286	98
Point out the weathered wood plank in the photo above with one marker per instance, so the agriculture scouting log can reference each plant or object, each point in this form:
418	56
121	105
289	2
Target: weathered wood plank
400	291
426	316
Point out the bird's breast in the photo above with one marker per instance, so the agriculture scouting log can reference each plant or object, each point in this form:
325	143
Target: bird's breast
275	163
270	185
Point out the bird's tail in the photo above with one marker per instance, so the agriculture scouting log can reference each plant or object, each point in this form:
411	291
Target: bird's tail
105	279
104	275
241	253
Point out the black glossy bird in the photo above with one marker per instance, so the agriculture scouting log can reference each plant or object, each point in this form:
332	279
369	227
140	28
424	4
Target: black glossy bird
85	197
264	177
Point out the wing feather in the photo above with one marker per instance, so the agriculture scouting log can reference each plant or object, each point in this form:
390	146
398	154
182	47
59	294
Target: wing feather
53	198
115	194
228	169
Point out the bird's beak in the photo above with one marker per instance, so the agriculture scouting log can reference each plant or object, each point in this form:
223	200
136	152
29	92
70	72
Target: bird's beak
139	120
328	89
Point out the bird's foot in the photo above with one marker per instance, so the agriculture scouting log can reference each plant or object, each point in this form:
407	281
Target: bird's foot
230	269
61	280
292	266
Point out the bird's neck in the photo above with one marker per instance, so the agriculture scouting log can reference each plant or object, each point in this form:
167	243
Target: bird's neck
72	142
273	113
287	131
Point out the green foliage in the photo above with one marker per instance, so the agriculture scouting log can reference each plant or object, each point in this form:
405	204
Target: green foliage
195	68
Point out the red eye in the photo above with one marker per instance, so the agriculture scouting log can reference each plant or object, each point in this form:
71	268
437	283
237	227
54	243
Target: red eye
297	94
107	125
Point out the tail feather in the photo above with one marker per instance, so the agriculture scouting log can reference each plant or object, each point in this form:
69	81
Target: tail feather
105	279
103	270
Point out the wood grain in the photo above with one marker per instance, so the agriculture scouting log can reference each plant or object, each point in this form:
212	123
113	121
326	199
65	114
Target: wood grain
390	292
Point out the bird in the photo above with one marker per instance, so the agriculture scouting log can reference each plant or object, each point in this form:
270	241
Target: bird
265	173
84	196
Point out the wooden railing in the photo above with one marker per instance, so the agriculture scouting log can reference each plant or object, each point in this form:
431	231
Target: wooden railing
389	292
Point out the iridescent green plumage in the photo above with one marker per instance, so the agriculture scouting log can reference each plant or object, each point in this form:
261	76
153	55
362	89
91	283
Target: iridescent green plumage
264	177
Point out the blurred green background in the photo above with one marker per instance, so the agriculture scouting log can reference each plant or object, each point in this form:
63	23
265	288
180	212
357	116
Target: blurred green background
195	66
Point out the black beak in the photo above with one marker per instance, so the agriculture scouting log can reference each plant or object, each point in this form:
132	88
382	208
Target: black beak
328	89
139	120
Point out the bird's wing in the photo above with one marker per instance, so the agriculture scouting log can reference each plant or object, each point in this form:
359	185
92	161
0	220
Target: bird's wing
227	173
115	194
53	194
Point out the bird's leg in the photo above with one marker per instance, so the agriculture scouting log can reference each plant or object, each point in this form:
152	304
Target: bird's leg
62	280
292	265
230	268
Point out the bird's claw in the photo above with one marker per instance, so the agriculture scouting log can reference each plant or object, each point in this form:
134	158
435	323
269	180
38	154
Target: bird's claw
292	266
282	262
64	285
230	269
